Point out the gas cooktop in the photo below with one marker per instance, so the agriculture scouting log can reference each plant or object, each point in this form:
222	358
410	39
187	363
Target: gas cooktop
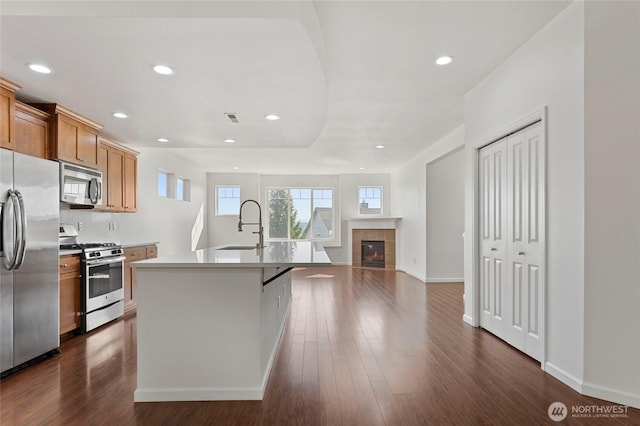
85	246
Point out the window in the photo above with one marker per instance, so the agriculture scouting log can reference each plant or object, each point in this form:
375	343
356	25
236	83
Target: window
163	184
183	189
300	213
227	200
370	200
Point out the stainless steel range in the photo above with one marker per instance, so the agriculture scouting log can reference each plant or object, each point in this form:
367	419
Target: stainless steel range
102	282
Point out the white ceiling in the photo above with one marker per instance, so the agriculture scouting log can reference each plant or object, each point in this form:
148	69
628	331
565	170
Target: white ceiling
344	76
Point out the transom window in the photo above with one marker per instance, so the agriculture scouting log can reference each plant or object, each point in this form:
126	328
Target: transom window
300	213
370	200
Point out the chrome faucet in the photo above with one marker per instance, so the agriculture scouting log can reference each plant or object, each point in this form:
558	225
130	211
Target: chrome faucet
260	232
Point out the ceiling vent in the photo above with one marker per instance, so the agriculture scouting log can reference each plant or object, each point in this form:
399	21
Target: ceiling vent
232	117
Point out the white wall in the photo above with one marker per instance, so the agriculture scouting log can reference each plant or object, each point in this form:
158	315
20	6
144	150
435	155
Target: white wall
546	71
349	184
167	221
408	201
445	218
612	201
224	229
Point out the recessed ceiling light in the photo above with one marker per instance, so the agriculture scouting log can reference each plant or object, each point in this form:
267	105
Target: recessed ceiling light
380	146
361	168
120	115
236	168
163	69
444	60
230	140
272	117
163	140
42	69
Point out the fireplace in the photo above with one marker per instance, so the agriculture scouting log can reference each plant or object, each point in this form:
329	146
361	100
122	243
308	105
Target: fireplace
372	253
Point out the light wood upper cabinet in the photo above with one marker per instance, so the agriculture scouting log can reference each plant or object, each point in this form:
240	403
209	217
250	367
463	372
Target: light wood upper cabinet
74	137
7	113
31	131
130	184
118	167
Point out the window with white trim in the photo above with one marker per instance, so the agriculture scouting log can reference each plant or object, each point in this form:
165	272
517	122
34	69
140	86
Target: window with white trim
370	200
183	189
300	213
227	200
163	184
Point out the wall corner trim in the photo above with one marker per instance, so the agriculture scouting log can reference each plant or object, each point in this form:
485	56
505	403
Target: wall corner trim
566	378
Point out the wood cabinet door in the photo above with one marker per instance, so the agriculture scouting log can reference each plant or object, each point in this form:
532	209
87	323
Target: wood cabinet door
115	175
67	139
70	293
7	118
31	132
130	182
87	148
132	254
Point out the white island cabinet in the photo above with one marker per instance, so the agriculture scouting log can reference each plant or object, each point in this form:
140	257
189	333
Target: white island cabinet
209	322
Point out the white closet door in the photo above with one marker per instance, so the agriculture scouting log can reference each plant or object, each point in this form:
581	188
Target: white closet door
493	227
511	277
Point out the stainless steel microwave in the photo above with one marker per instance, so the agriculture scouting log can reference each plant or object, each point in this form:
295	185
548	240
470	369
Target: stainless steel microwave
80	185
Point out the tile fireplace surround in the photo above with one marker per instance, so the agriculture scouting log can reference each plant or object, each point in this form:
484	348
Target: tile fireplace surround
386	235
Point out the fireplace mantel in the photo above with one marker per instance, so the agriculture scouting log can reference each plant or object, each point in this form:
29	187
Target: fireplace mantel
378	222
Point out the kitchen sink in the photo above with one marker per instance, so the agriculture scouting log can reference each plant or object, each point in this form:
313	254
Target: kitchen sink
238	248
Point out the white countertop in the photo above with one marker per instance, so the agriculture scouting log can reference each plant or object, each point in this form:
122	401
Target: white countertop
287	253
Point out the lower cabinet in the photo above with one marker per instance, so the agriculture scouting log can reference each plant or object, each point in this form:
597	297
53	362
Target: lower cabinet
70	293
134	254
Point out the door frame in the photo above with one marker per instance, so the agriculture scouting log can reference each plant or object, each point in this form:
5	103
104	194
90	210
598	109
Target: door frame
473	245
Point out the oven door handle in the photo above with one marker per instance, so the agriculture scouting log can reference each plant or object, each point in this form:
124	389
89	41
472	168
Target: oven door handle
98	276
105	261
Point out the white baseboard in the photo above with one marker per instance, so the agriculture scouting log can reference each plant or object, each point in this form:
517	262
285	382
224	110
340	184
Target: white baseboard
612	395
466	318
445	280
197	394
564	377
416	276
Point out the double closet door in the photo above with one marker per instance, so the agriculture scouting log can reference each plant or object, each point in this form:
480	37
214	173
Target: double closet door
512	239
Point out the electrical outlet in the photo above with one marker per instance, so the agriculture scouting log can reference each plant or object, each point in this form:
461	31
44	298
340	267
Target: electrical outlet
80	226
278	302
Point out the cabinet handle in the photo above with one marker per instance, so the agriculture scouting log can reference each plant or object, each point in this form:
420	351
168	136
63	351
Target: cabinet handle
520	253
494	249
64	265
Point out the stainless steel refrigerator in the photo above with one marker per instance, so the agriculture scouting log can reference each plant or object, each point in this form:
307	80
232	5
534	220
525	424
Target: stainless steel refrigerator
29	303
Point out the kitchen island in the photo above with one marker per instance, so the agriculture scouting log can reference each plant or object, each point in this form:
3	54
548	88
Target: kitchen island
209	321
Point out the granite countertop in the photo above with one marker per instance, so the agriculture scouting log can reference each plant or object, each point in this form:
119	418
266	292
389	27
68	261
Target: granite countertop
285	254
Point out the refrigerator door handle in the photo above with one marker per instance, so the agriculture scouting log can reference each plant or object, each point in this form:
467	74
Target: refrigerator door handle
22	243
10	230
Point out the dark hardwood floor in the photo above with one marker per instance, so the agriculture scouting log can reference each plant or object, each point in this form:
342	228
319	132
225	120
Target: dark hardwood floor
360	347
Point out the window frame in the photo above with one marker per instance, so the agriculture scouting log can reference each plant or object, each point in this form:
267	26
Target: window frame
381	188
332	238
217	202
166	184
